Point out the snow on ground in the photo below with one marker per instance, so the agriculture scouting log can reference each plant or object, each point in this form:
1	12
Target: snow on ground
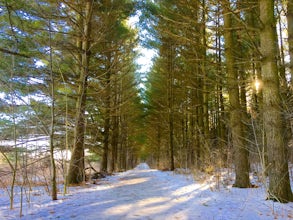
144	193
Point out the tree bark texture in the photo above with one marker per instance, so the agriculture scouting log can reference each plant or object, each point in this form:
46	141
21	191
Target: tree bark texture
107	117
76	167
236	114
279	182
170	105
52	125
290	35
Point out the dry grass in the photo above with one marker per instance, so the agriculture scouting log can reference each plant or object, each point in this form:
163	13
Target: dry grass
32	173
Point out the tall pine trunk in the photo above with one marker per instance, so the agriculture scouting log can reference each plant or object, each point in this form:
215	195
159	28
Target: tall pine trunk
76	167
290	35
106	132
236	114
279	182
52	124
115	124
170	104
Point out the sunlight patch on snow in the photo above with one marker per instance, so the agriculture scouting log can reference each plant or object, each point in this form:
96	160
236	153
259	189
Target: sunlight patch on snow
155	209
118	210
133	181
146	207
101	203
152	201
189	189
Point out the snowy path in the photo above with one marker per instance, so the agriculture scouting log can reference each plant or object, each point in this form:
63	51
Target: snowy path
144	193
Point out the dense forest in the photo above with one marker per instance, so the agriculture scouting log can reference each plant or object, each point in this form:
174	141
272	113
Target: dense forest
218	94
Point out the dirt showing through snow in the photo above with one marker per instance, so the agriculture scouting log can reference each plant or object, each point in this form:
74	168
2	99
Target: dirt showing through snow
144	193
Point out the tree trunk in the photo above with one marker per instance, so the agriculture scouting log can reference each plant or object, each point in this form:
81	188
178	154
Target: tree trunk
170	105
220	107
279	182
158	150
171	139
76	167
236	115
107	117
205	90
52	125
115	124
114	143
290	35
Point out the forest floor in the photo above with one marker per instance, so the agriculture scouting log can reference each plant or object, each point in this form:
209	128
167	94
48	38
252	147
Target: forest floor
144	193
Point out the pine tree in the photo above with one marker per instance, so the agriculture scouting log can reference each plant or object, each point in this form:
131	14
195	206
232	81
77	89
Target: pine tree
279	182
236	113
77	167
290	35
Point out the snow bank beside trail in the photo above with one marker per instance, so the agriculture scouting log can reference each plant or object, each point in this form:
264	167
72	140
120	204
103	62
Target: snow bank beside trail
142	166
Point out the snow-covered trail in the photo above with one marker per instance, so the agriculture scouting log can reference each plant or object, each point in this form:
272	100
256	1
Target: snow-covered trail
144	193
